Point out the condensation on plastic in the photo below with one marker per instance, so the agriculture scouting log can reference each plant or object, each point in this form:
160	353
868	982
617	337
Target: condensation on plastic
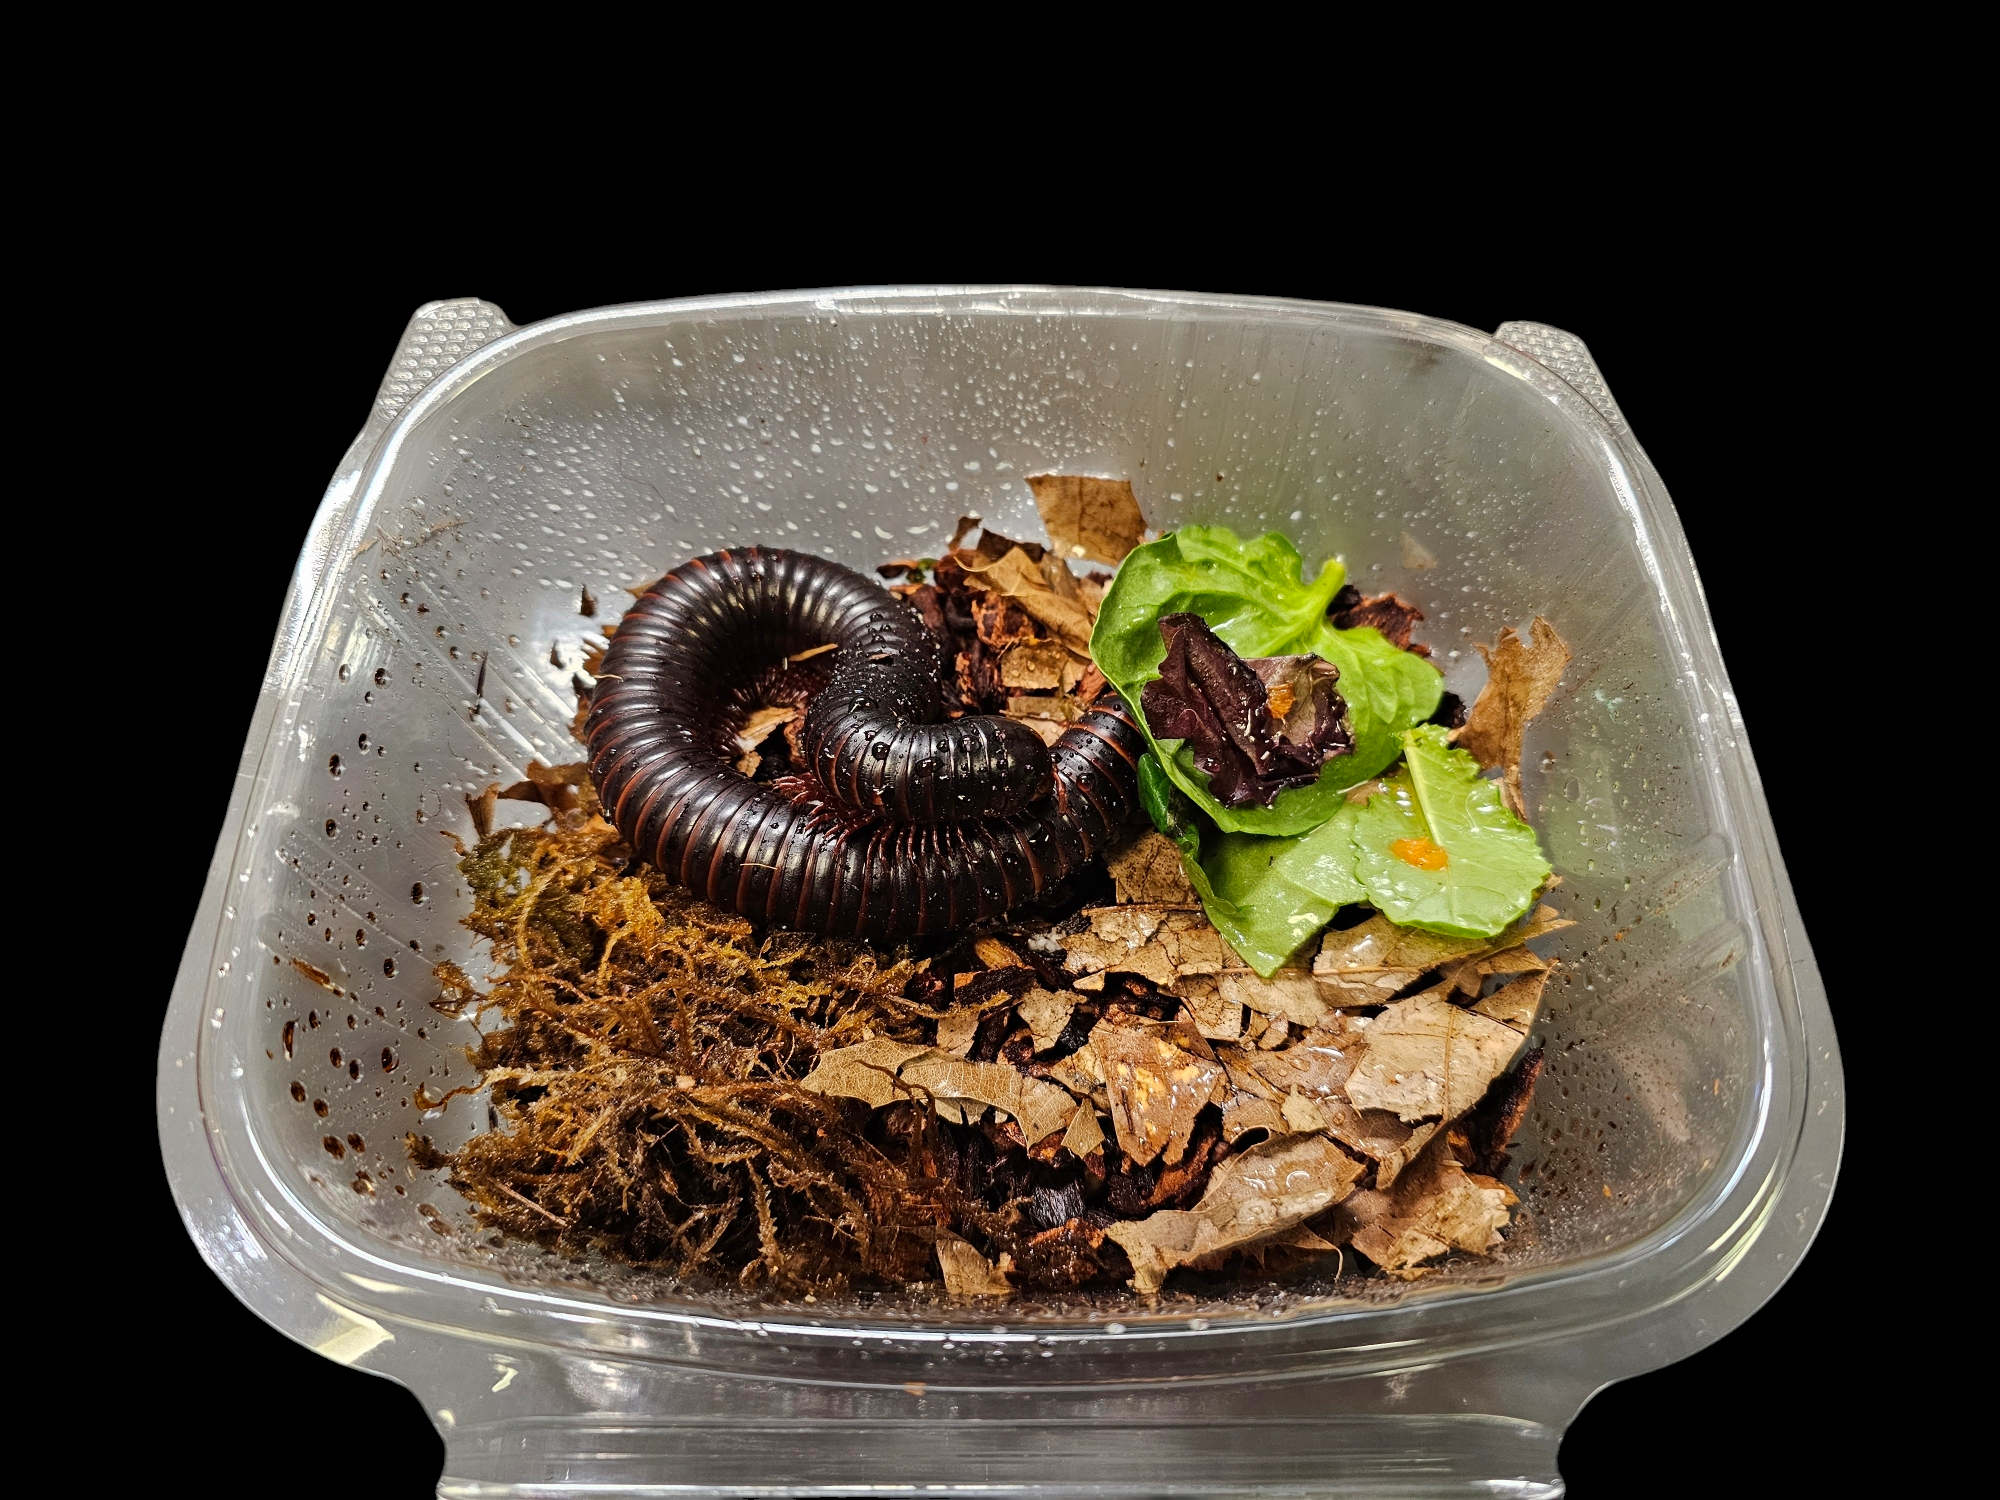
1684	1140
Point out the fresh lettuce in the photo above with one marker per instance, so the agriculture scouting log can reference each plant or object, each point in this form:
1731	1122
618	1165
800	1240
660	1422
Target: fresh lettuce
1254	596
1437	848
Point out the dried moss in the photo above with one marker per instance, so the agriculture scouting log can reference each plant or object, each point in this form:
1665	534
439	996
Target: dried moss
643	1052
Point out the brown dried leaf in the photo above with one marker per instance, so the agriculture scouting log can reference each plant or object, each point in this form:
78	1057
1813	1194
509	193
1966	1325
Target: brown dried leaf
1046	1014
1035	665
866	1071
1416	554
1435	1206
1159	943
1149	871
1254	1196
1056	708
1084	1135
1371	963
1216	1018
1156	1090
1086	517
1242	1113
1042	1108
1519	679
967	1273
1020	578
1516	1005
756	729
1290	994
957	1031
1426	1058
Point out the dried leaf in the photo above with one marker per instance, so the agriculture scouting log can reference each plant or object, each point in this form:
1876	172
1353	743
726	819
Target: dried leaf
1042	1108
1416	554
1290	994
967	1273
1215	1017
1149	871
866	1071
1084	1135
1156	1090
1060	708
1082	1073
1434	1207
1390	614
757	729
1371	963
1046	1014
1160	944
1519	679
1035	665
1254	1196
957	1031
1243	1113
1426	1058
1301	1114
1018	577
1085	517
1516	1005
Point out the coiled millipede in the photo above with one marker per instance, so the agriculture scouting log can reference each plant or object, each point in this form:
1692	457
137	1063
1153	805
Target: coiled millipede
904	821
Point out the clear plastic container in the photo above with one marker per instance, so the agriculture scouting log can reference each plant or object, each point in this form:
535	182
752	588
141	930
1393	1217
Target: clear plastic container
1685	1138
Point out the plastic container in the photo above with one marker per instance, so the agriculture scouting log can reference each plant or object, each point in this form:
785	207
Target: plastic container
1684	1142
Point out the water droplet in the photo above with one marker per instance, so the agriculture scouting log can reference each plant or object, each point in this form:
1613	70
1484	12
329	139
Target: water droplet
389	967
381	676
333	765
364	742
343	671
417	892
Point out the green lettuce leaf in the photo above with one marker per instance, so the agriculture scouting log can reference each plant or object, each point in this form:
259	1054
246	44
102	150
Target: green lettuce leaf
1266	896
1437	803
1254	596
1268	918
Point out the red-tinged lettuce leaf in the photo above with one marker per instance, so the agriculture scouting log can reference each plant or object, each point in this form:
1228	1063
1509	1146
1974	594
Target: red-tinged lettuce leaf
1221	706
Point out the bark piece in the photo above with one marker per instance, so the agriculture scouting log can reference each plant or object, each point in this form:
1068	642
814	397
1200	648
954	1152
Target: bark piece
1520	676
1156	1090
1087	517
1426	1058
1264	1191
757	729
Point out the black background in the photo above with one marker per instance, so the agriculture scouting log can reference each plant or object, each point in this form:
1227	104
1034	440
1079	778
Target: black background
1714	345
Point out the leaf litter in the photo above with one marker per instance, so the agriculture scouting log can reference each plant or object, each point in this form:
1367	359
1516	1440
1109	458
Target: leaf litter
1109	1097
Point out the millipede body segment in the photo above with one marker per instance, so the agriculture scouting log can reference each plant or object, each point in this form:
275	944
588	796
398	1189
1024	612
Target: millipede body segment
906	821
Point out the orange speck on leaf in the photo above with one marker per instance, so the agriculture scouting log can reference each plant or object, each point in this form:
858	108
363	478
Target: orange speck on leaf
1420	852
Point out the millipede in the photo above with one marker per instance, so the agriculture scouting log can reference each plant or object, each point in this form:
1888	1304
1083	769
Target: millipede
902	819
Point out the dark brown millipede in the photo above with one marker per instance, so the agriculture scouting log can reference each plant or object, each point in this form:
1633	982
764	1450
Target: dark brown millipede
906	821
